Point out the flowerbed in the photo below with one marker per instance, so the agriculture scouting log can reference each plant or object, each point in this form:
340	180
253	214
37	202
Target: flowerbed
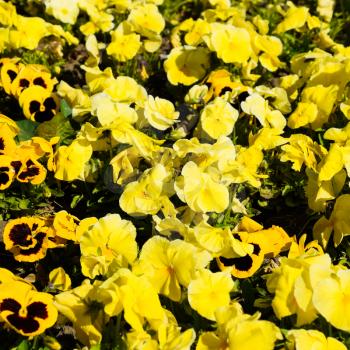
174	175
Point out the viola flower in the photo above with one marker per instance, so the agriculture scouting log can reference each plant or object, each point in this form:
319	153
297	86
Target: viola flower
218	118
66	11
146	19
302	339
26	311
331	299
38	104
107	245
8	73
7	142
338	223
186	64
160	113
32	75
59	279
70	161
145	196
200	191
236	330
7	172
124	43
65	225
140	300
301	149
295	283
208	291
27	238
231	44
168	265
243	266
31	171
84	307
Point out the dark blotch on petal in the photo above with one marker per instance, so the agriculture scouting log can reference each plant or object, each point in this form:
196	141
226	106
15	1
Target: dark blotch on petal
243	263
12	74
38	245
4	178
225	89
34	106
50	103
257	249
37	309
25	324
40	81
30	172
44	116
2	143
10	304
20	234
16	165
24	83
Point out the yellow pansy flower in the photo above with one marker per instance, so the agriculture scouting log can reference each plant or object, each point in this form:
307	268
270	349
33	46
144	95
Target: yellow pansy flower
106	245
109	112
160	113
70	160
146	19
139	299
338	222
65	225
84	307
126	90
319	192
218	118
125	44
186	64
237	330
26	311
200	191
7	172
38	104
294	18
59	279
145	196
170	264
331	299
231	44
294	284
257	106
66	11
27	238
209	291
301	149
302	339
315	107
77	99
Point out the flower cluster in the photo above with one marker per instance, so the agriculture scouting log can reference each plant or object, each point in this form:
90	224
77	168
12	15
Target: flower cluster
32	85
193	163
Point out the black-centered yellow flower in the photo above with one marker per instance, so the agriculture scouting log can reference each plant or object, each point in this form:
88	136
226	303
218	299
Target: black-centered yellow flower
8	73
32	75
7	172
7	142
27	238
24	309
243	266
31	171
38	104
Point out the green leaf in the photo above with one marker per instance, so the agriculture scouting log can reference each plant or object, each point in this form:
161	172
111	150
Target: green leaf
59	125
65	108
27	129
24	345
